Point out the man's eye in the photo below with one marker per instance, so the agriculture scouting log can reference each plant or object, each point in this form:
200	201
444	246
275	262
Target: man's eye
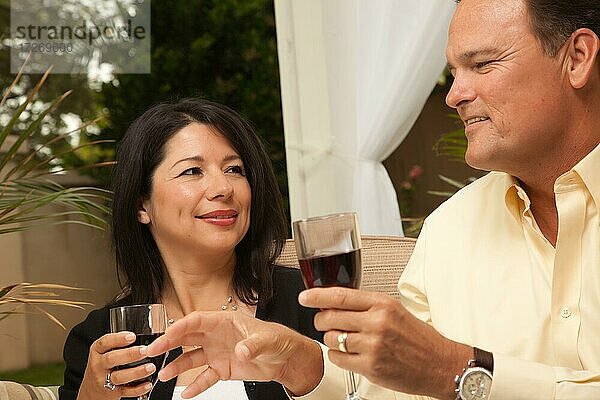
482	64
236	169
192	171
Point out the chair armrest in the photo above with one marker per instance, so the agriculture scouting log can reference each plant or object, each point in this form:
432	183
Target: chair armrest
20	391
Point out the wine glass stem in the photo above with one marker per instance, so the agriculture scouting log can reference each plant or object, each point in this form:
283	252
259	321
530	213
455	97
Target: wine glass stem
351	393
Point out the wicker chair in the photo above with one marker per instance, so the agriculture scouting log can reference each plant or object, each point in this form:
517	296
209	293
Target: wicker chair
383	260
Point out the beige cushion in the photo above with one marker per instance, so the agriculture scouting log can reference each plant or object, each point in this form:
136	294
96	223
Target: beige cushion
18	391
383	260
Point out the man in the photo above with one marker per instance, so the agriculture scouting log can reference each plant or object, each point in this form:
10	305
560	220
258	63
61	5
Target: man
503	289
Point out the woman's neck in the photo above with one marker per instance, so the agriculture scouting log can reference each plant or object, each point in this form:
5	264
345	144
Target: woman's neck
199	286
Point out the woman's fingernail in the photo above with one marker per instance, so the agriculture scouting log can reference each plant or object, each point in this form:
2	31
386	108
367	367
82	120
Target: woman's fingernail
143	350
148	386
150	368
130	337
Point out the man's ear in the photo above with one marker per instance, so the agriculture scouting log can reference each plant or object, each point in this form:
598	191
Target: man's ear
143	215
582	55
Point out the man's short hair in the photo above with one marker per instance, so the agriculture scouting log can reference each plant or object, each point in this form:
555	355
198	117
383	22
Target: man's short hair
553	21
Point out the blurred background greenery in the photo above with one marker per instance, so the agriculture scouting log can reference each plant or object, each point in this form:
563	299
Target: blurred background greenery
224	50
41	375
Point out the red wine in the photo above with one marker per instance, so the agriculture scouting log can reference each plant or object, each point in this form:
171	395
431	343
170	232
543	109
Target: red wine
145	340
332	270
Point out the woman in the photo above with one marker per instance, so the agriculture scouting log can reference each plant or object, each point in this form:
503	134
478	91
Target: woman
197	224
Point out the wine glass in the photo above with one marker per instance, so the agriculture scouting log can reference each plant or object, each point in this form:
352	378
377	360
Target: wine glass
328	250
148	322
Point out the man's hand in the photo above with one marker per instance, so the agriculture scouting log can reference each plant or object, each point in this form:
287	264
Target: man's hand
386	343
235	346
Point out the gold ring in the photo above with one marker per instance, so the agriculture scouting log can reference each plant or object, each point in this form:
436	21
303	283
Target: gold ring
342	342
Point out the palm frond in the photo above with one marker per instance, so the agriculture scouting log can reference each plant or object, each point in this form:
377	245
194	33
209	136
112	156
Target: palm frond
27	133
27	191
452	144
37	296
452	182
8	129
25	188
24	202
457	185
15	81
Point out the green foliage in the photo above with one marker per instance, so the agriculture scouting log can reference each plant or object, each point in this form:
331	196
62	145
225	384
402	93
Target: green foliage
28	170
452	144
27	162
224	50
40	375
80	102
456	185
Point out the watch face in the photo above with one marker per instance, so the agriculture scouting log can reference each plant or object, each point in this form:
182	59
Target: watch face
476	385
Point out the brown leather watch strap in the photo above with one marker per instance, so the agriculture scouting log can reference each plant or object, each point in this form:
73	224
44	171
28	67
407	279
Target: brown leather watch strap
484	359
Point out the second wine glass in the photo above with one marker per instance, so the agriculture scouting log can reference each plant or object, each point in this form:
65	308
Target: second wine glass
328	250
148	322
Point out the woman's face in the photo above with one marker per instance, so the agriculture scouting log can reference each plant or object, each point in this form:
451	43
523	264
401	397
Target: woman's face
200	199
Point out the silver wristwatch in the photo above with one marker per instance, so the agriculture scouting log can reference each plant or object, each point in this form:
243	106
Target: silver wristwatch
475	381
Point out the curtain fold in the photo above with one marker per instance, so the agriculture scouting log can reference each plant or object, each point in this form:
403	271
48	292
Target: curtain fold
354	77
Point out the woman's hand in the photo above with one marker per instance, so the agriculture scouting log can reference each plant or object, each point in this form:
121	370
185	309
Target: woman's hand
235	346
105	355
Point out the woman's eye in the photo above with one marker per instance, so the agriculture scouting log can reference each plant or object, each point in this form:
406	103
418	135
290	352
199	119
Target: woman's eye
236	169
192	171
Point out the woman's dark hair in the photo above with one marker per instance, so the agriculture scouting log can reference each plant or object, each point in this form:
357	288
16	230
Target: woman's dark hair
139	154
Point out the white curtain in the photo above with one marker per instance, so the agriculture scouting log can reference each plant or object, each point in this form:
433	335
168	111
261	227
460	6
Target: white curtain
354	77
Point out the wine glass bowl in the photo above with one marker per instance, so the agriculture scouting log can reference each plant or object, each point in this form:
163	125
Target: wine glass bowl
328	250
148	322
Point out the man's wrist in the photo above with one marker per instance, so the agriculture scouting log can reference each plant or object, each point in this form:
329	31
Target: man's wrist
484	359
454	361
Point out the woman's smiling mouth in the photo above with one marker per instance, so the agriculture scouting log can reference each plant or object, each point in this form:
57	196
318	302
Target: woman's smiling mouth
220	217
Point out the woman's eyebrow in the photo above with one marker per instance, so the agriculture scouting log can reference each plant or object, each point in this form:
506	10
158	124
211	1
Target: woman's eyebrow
192	158
199	159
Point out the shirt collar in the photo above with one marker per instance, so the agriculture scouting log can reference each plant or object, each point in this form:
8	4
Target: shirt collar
588	170
517	202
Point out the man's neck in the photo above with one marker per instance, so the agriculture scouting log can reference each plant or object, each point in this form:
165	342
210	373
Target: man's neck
543	208
539	186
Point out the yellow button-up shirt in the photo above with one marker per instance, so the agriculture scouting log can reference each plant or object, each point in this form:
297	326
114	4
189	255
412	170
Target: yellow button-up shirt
482	273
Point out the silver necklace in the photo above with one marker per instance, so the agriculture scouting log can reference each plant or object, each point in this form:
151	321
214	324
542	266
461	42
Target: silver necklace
230	304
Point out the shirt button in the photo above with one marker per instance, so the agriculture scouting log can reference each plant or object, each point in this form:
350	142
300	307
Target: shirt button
252	386
565	312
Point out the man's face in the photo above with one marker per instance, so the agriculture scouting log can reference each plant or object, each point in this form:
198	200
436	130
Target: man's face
506	89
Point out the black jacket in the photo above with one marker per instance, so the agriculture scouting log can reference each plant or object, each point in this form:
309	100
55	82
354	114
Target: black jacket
283	308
